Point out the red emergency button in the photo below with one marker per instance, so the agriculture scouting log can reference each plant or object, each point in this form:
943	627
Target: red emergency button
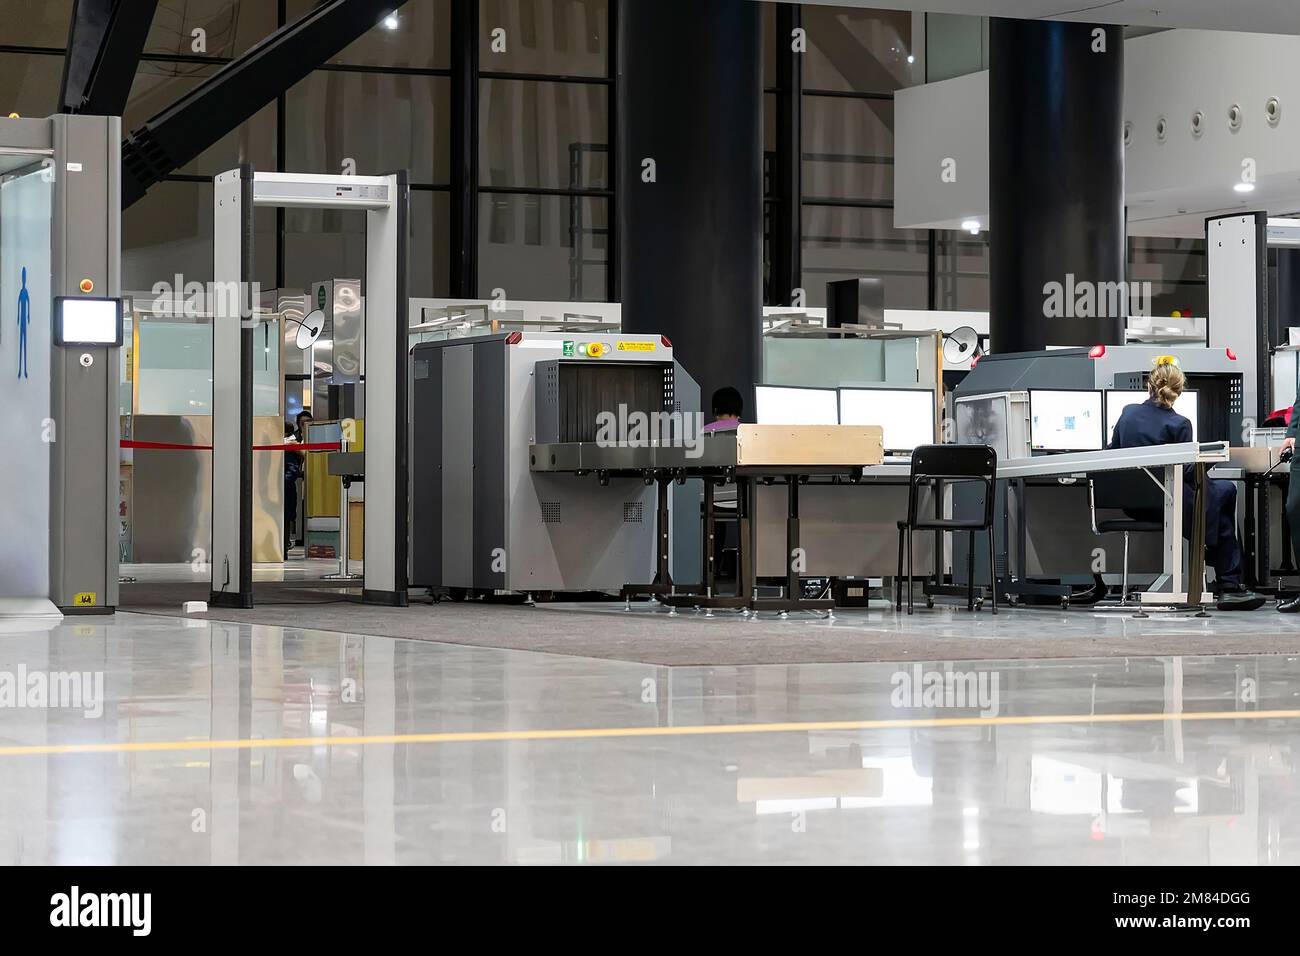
87	286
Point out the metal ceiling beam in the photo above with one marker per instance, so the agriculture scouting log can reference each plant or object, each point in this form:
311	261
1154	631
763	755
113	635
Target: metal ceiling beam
105	39
241	88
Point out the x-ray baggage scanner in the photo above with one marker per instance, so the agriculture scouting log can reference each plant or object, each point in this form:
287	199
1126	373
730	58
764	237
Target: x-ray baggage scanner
483	521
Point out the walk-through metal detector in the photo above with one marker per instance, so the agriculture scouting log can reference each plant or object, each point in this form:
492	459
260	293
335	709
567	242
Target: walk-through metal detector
60	332
385	200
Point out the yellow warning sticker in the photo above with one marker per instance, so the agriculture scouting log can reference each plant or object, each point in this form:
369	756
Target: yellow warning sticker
636	346
85	599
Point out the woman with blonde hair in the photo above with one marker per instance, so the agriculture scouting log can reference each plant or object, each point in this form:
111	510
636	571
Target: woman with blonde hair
1154	422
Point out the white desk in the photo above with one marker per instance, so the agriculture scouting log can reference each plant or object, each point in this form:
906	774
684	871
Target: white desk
1170	459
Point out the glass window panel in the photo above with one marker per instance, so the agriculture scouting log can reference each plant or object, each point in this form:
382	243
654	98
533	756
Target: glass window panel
955	44
430	271
556	37
324	244
860	51
848	148
554	135
331	244
34	23
158	85
1176	269
169	232
769	122
420	37
230	27
551	248
382	121
961	271
770	41
842	242
29	84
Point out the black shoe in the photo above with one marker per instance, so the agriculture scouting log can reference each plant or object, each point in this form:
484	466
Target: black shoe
1291	606
1242	600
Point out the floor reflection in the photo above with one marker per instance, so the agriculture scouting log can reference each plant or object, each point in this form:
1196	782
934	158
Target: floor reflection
305	768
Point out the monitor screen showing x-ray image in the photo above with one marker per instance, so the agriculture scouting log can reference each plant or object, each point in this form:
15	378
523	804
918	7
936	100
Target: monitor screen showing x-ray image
780	405
1065	420
1119	399
905	414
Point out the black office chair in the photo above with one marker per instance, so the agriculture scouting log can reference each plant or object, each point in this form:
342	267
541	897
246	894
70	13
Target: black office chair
1136	491
931	466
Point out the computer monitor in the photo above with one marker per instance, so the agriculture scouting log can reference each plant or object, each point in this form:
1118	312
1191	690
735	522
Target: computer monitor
905	414
1118	399
794	405
1061	420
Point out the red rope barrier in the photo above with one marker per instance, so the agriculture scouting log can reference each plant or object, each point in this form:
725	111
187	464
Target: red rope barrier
171	446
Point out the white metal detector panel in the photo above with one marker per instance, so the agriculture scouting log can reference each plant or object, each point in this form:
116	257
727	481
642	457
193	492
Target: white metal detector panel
1234	272
385	372
228	386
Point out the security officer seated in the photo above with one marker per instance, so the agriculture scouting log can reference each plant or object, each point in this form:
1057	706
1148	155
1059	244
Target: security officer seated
1154	422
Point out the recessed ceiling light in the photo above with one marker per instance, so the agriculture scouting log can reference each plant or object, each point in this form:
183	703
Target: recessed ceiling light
910	58
390	21
972	226
1244	187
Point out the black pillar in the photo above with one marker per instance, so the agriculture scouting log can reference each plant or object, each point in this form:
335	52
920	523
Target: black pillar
691	240
786	240
464	148
1056	183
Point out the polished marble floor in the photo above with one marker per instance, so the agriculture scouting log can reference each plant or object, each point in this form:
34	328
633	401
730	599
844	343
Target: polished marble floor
225	743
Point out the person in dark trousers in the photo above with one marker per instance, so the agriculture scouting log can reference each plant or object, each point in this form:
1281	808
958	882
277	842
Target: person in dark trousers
293	470
295	467
1154	422
1293	501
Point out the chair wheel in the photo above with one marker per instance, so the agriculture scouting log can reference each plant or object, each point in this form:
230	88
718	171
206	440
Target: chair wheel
1065	604
929	602
979	604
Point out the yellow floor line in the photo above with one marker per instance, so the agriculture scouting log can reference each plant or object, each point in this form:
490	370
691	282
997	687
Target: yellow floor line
498	736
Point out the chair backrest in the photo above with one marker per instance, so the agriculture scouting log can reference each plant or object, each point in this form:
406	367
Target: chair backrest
1132	489
953	462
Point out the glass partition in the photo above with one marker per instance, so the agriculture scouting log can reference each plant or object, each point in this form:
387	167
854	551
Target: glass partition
827	360
26	429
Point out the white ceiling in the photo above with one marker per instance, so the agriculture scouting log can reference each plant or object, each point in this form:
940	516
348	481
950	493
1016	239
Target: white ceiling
1254	16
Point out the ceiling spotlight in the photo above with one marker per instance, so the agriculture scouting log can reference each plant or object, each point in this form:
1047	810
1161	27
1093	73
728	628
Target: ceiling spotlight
972	226
390	21
910	58
1244	187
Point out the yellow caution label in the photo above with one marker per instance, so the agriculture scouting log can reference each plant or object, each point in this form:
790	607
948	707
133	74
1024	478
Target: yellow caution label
85	599
636	346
